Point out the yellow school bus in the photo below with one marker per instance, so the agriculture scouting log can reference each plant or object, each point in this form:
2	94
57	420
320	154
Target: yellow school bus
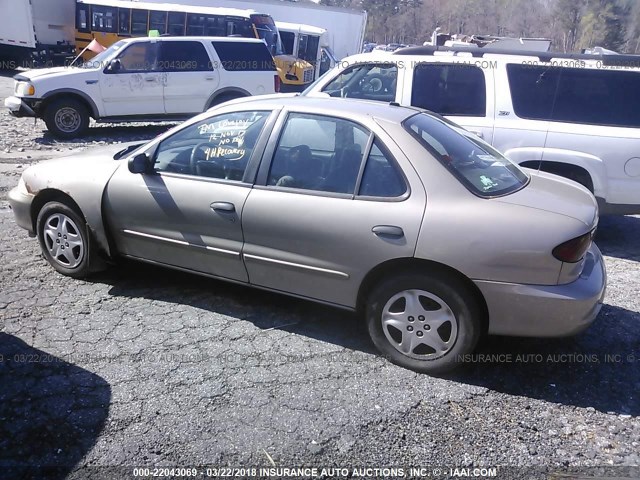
111	20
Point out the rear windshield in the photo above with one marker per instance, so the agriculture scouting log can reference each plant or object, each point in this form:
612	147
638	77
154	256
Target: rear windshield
481	168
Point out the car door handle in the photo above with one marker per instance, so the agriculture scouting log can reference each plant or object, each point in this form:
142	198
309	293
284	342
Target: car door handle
209	78
225	207
388	231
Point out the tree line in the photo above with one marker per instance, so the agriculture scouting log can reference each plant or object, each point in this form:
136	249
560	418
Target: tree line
572	25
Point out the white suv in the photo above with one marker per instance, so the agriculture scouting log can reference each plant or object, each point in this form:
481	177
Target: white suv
574	115
145	79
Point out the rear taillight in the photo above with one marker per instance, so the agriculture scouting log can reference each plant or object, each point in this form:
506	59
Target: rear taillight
573	250
276	83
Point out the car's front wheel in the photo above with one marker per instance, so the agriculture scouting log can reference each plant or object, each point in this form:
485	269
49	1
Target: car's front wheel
66	118
423	322
63	238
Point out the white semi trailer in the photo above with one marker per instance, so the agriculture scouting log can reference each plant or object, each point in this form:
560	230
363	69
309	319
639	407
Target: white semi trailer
41	30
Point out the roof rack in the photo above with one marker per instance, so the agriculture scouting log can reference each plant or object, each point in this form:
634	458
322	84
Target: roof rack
607	60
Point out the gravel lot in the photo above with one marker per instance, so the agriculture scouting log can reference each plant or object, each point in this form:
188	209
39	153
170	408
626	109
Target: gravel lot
143	366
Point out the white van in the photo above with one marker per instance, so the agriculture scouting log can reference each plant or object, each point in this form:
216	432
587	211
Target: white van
145	79
574	115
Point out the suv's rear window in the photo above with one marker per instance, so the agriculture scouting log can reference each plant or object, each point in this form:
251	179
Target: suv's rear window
482	169
237	56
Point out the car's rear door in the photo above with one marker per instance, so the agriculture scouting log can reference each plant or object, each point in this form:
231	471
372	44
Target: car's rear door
186	213
190	77
332	201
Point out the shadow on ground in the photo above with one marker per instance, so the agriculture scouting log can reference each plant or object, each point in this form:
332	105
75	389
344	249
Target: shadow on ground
51	412
108	133
618	235
598	368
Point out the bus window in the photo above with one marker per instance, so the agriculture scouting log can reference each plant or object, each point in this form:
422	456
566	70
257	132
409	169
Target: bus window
103	19
238	27
139	19
176	23
123	23
195	24
81	18
308	48
287	41
158	21
215	27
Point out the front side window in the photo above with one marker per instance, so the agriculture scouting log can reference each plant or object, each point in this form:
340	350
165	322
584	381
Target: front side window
450	89
482	169
217	147
367	81
320	153
178	56
139	57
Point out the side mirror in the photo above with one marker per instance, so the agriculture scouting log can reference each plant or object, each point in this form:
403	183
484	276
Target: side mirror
140	163
114	66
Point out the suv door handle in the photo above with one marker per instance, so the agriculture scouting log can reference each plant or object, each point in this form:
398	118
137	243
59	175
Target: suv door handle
225	207
388	231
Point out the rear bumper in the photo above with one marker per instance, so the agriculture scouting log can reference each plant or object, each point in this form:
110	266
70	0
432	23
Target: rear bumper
19	108
547	310
20	202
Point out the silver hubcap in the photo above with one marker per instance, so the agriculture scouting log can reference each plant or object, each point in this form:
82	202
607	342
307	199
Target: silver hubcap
63	241
67	119
419	324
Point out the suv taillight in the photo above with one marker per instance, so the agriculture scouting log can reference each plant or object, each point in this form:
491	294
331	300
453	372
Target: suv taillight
573	250
276	83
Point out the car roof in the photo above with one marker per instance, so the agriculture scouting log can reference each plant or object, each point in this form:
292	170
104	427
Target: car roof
183	38
337	106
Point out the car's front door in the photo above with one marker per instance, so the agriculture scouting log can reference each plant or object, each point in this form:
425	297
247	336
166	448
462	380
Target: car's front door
335	201
132	84
186	213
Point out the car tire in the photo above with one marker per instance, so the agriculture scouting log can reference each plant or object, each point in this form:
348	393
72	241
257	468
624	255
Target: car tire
65	243
225	97
426	323
66	118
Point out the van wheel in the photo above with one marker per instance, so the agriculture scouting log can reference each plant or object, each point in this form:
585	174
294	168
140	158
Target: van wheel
66	118
424	322
63	238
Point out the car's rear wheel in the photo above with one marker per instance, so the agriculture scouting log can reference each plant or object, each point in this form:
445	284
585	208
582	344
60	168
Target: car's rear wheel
63	238
423	322
66	118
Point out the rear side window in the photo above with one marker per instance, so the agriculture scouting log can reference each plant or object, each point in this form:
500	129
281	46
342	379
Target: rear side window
381	177
369	81
533	90
482	169
598	97
450	89
183	57
238	56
